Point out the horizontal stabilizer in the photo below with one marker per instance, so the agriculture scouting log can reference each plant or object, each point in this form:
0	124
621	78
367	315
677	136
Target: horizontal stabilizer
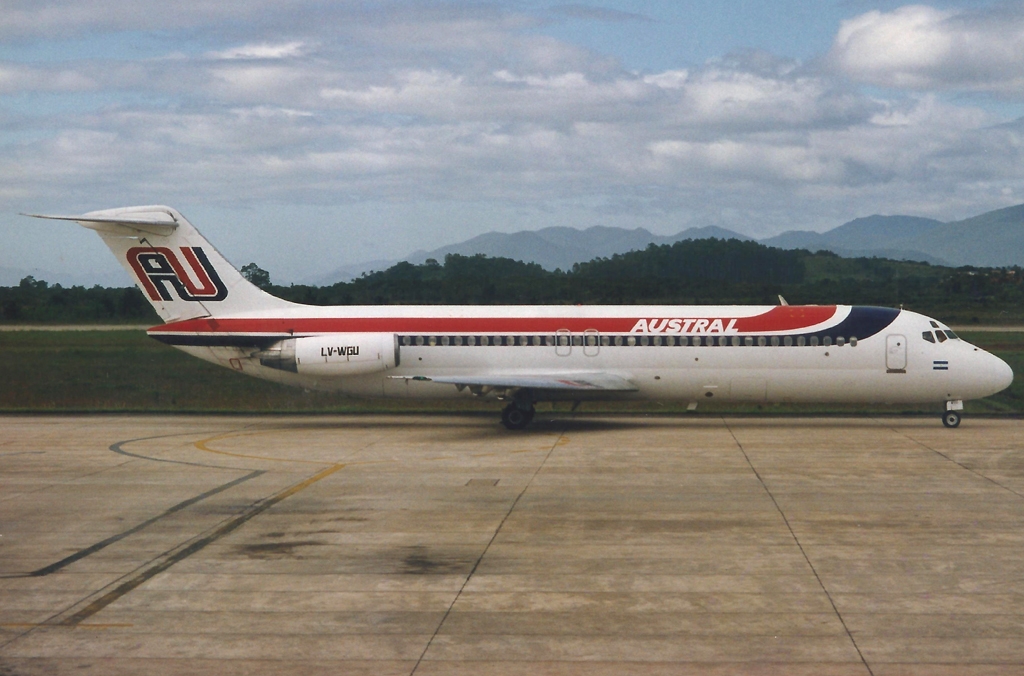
156	222
582	381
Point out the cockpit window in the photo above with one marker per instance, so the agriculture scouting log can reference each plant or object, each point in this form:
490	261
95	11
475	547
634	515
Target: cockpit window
941	336
927	335
934	325
952	335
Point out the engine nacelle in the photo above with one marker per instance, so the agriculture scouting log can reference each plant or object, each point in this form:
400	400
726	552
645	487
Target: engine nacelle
334	354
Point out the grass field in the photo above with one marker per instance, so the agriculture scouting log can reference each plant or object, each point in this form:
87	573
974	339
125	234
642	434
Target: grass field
126	371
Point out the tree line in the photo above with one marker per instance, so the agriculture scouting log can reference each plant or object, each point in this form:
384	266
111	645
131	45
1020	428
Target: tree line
691	272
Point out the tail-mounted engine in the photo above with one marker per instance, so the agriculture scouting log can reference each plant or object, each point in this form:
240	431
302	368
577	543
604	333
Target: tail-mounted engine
336	354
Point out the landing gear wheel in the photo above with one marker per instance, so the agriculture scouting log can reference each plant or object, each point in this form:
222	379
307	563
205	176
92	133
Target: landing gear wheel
515	418
951	419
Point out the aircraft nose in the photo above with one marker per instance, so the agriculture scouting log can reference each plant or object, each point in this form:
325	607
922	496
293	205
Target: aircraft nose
991	374
984	374
1002	374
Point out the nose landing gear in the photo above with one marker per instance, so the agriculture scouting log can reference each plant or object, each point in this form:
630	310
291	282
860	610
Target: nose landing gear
951	416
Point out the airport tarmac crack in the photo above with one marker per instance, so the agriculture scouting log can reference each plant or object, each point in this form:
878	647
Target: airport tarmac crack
476	564
190	547
956	462
102	544
803	552
113	591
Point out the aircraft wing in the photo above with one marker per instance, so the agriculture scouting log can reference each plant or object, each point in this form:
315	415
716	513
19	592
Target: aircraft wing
593	381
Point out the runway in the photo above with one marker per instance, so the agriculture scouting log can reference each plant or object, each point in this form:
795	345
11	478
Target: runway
447	545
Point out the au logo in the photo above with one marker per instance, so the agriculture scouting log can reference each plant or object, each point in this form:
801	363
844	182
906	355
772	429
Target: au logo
159	270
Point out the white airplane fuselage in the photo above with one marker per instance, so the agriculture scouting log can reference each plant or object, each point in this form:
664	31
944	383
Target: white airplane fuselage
890	362
526	354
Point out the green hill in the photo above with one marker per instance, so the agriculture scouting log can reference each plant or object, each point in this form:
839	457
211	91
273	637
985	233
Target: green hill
691	272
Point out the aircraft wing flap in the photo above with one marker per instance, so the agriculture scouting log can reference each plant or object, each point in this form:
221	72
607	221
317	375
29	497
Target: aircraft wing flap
589	381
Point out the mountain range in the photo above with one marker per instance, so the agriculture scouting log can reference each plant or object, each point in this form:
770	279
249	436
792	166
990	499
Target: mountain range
991	239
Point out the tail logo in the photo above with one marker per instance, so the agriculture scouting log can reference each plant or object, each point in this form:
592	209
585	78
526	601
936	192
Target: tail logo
158	268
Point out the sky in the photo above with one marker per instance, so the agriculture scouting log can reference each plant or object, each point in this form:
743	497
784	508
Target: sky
309	135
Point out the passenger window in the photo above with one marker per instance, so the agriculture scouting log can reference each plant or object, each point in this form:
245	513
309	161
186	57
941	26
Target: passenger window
761	341
549	340
419	340
775	341
563	341
941	336
735	341
656	340
405	340
853	341
631	341
748	341
432	341
618	340
684	341
814	341
495	340
444	340
800	342
788	341
952	335
606	341
927	335
644	340
577	341
840	341
670	340
827	341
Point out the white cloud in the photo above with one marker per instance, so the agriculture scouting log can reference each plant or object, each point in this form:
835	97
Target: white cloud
467	107
262	51
19	78
72	17
669	79
923	48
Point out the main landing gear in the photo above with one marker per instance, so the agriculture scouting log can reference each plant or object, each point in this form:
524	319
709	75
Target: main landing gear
516	416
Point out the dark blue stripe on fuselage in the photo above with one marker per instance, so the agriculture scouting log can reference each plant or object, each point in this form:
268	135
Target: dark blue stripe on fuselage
862	322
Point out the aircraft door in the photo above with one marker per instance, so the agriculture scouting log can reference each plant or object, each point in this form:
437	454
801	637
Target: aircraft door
591	343
563	343
896	354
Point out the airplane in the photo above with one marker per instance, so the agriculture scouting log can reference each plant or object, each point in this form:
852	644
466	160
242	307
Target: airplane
522	355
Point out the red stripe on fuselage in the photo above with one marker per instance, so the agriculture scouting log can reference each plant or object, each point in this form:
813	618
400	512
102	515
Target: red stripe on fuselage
781	318
786	318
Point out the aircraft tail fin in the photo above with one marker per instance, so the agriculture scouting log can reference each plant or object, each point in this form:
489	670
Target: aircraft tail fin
181	274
